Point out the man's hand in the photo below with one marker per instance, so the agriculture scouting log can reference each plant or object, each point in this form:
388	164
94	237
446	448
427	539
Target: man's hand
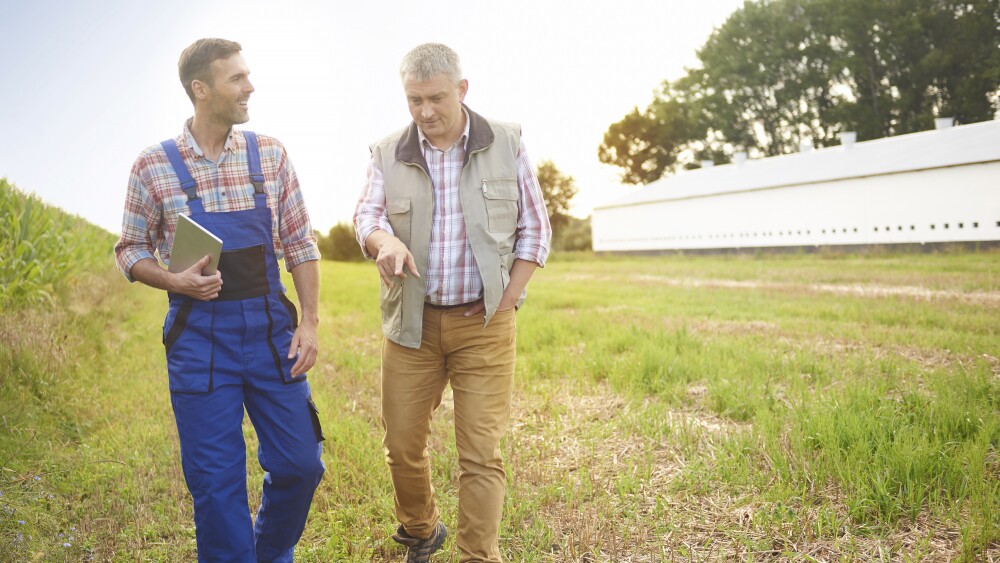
306	345
190	282
393	257
480	306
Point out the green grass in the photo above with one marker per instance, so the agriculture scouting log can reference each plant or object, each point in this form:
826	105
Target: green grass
805	407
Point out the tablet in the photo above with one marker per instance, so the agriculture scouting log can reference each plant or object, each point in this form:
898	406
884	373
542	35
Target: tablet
192	242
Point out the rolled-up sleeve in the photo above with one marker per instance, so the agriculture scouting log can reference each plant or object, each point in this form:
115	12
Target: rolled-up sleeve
534	233
294	227
136	241
370	214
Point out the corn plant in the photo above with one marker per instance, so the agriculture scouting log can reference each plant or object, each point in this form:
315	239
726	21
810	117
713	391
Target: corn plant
43	248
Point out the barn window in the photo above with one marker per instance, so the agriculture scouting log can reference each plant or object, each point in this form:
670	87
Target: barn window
946	225
961	225
975	224
933	226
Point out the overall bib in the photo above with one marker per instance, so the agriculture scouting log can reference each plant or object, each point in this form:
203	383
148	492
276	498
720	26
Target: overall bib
230	353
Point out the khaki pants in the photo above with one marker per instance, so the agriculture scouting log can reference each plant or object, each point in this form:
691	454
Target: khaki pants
479	363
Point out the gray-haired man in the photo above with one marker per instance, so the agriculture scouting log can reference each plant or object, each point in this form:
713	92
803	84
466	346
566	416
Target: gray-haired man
456	222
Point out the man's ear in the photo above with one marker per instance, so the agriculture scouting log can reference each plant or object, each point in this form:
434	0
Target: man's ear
463	88
200	89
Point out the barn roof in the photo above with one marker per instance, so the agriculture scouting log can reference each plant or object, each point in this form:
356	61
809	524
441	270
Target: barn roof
939	148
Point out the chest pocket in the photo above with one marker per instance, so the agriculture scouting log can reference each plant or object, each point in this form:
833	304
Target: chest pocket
501	196
400	218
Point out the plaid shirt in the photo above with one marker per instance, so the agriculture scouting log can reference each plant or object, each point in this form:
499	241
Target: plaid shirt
154	198
452	276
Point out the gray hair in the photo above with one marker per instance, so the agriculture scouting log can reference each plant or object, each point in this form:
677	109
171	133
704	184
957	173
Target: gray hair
426	61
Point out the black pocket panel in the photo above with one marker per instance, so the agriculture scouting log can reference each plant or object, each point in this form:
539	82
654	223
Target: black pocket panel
244	273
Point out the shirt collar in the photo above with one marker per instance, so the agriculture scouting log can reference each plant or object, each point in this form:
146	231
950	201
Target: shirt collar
464	139
228	147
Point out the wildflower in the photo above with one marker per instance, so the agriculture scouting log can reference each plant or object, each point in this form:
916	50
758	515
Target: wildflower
38	477
21	522
67	544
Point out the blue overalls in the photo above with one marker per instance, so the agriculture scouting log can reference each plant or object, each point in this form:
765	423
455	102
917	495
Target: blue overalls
229	353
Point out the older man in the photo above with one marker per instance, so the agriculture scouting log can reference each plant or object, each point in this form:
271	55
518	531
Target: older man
233	339
456	222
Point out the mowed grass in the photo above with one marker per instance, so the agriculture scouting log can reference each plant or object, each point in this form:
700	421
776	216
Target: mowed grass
800	407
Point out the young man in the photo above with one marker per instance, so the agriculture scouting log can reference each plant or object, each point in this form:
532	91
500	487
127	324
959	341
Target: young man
233	339
453	215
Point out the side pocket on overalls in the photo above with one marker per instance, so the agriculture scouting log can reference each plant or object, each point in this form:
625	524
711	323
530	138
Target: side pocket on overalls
314	414
188	344
282	321
176	321
291	310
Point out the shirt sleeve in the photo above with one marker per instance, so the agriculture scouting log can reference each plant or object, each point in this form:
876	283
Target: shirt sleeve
297	238
140	216
370	214
534	233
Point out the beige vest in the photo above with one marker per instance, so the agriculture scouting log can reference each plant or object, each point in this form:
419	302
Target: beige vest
489	196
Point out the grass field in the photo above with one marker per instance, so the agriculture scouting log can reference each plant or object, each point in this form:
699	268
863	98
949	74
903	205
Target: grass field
802	407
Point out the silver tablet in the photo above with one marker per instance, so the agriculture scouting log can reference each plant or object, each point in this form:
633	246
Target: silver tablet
192	242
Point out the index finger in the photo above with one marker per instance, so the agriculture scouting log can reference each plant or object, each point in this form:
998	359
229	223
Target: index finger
412	265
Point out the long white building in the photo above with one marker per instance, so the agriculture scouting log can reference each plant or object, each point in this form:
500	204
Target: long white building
939	186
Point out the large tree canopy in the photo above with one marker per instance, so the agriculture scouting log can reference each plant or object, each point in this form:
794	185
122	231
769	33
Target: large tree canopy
782	72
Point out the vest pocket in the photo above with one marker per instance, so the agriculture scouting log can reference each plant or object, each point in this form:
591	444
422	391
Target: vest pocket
501	195
400	218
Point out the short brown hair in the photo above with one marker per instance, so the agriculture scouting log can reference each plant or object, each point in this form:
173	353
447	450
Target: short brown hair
195	60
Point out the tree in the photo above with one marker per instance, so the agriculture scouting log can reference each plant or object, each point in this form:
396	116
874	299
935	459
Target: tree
340	244
557	191
575	235
645	144
779	72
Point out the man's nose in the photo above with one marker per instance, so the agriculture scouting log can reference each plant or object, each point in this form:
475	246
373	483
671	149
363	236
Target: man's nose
249	89
426	111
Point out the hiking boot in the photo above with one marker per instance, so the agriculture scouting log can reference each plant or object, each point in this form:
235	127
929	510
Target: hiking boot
418	550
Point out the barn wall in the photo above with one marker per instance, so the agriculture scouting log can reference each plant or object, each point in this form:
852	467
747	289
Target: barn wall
954	204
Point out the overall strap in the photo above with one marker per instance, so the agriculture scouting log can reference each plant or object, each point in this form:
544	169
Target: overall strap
180	169
253	159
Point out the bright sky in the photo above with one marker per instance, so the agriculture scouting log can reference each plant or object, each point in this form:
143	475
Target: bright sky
86	85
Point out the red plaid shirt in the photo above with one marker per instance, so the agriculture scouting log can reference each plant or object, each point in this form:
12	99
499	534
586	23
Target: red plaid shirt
154	198
452	276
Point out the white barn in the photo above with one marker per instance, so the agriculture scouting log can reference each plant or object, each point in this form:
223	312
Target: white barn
939	186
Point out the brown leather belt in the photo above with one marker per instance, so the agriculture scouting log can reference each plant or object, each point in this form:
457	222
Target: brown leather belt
446	307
